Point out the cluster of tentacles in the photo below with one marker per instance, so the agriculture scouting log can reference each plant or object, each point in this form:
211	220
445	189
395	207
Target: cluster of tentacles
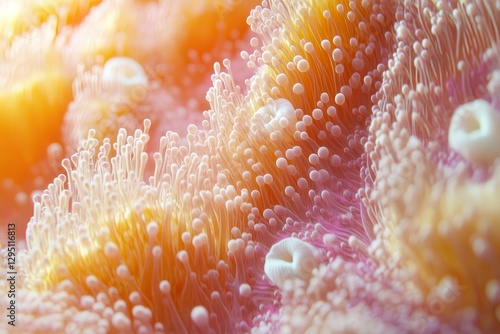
348	185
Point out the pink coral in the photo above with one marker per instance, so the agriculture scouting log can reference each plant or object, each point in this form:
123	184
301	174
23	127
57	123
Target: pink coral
433	196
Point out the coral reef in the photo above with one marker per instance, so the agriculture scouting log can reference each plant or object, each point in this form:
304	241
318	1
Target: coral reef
343	177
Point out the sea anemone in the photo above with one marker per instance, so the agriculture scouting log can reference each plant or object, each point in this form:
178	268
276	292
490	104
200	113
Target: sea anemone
70	40
326	60
139	255
348	186
433	158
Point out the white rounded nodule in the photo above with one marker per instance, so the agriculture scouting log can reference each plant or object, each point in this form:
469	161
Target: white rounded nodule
290	258
124	73
475	132
200	317
276	116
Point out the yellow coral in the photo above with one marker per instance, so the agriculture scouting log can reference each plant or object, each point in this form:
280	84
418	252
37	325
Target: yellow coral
455	236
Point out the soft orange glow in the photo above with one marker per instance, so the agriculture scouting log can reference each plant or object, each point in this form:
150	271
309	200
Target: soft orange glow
23	16
35	91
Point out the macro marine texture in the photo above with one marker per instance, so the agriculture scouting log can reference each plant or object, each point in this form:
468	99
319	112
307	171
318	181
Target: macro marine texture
343	177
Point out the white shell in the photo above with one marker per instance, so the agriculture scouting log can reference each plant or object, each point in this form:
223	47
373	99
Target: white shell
125	74
274	117
475	132
290	258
